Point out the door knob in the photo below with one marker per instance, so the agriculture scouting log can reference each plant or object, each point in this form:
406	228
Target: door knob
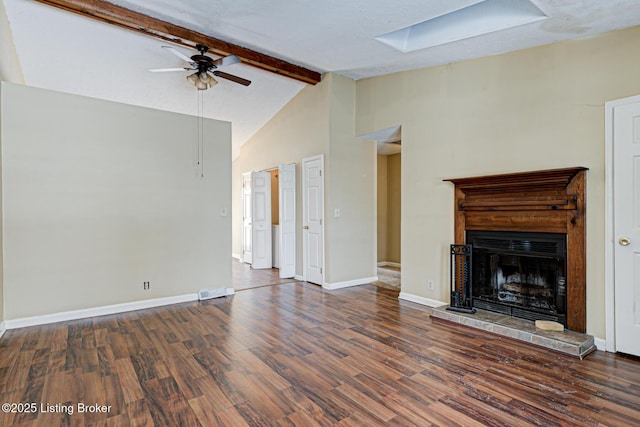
624	241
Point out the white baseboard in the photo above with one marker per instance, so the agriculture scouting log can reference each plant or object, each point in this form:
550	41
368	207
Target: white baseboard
421	300
299	278
600	343
237	256
97	311
349	283
3	329
389	264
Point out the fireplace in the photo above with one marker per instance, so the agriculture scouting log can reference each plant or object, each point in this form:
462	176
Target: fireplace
528	234
520	274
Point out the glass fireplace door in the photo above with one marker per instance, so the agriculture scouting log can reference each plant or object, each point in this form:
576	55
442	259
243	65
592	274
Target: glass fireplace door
520	274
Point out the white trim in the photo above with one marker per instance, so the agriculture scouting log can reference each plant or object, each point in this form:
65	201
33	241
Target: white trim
421	300
3	328
609	300
349	283
389	264
245	256
237	256
600	344
97	311
609	223
298	278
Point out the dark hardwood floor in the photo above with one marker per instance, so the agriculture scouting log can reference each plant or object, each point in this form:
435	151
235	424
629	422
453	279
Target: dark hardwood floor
294	354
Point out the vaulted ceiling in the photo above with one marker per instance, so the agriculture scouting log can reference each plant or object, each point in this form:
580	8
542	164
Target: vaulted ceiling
74	53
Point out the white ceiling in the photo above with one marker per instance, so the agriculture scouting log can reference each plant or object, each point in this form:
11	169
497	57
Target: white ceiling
61	51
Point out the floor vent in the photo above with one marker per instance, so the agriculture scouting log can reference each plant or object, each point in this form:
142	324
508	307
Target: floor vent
214	293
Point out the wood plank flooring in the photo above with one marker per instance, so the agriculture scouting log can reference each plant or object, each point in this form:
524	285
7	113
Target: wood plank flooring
294	354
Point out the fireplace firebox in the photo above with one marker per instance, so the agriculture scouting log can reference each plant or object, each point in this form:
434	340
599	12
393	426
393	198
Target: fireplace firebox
520	274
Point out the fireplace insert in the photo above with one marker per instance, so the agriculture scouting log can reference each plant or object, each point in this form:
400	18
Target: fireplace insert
520	274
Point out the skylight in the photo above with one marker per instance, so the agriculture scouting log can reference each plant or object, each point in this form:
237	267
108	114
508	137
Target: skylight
482	17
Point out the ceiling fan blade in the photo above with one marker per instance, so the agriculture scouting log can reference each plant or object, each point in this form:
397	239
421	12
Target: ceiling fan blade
166	70
227	60
231	77
178	54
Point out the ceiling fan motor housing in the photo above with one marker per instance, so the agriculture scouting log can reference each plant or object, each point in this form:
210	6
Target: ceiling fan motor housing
203	61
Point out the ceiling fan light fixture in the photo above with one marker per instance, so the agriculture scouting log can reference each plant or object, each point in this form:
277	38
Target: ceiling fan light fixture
208	79
200	85
193	78
202	80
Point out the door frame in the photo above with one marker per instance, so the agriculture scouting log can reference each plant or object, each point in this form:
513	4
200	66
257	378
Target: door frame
609	221
244	257
304	215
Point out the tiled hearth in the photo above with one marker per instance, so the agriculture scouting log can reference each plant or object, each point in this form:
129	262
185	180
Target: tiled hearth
567	342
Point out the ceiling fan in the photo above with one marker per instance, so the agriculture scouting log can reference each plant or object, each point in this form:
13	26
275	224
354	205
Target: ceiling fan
204	67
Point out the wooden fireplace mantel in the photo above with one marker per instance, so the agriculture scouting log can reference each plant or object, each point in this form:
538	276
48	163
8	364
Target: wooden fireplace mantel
545	201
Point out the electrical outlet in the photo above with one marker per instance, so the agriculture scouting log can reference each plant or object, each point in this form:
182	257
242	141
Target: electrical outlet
146	285
430	285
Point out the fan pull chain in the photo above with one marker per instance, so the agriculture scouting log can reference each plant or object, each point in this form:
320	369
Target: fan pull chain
200	133
198	114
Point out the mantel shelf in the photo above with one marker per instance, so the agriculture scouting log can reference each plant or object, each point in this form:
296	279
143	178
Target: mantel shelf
535	181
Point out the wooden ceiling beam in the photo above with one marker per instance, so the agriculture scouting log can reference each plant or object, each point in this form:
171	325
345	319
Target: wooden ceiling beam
136	21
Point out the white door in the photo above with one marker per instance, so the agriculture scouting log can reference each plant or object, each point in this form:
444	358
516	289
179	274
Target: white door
287	211
246	217
261	220
312	218
626	181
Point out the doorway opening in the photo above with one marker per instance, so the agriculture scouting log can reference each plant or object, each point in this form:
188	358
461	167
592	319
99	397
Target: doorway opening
275	218
269	219
389	205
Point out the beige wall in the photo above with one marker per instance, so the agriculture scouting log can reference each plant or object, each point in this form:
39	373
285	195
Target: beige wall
382	207
100	196
389	208
1	224
533	109
350	177
10	71
394	200
321	120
